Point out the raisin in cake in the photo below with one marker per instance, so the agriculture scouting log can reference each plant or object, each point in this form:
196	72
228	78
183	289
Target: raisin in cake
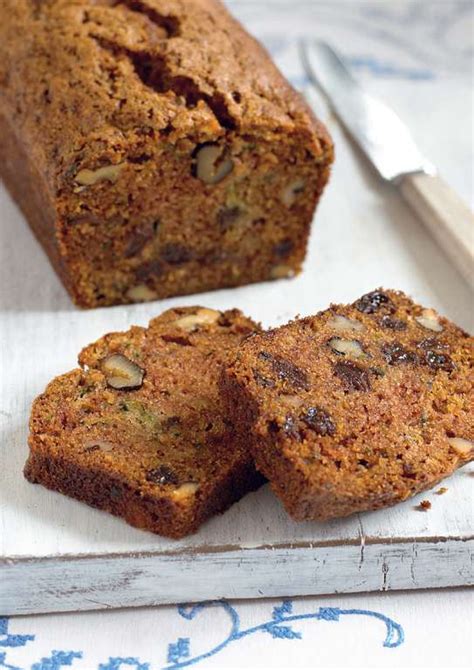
154	148
139	430
358	407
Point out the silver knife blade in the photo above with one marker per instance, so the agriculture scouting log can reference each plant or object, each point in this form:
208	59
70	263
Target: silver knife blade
385	140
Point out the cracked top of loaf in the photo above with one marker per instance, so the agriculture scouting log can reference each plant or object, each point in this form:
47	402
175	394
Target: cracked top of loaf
89	77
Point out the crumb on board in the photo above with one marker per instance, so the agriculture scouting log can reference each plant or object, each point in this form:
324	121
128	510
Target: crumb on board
440	491
424	506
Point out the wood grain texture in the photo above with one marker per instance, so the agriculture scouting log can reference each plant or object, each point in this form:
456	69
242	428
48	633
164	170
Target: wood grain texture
53	549
108	581
447	218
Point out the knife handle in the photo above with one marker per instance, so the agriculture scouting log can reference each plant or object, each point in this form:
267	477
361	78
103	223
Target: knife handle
447	218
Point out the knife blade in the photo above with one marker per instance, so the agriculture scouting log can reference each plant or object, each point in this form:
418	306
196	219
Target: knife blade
389	146
385	140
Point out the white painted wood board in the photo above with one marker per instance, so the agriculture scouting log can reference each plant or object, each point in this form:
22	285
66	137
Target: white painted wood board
57	554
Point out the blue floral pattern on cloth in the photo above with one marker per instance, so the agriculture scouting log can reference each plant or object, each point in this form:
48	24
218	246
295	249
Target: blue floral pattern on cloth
179	655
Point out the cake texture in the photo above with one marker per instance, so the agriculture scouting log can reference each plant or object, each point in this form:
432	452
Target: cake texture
139	431
153	147
356	408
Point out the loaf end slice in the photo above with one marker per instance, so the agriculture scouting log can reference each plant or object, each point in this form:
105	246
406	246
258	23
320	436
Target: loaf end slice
358	407
139	430
154	147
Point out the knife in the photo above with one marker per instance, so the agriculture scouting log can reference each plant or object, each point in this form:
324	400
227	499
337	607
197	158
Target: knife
388	145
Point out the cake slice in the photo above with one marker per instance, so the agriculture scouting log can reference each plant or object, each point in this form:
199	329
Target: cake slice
139	431
356	408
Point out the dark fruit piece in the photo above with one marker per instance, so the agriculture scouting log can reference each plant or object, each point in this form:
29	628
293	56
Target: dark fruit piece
353	376
371	302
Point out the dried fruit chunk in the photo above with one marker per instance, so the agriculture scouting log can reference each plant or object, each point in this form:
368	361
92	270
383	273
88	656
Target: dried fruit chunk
202	317
289	194
286	371
148	270
162	475
228	217
176	254
395	353
339	322
213	163
393	324
263	381
122	373
88	177
353	376
429	319
284	248
136	240
437	361
351	348
319	420
461	446
371	302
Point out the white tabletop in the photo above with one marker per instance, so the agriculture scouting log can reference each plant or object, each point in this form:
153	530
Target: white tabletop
416	56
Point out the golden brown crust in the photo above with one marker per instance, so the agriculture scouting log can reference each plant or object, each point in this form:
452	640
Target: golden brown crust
157	452
358	407
110	101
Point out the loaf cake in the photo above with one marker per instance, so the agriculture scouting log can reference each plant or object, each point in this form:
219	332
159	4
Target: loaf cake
356	408
153	147
138	431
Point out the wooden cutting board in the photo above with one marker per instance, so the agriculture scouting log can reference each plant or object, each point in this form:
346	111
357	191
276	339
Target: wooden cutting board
58	555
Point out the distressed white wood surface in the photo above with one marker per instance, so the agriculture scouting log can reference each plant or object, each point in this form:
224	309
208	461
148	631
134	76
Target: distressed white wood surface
57	554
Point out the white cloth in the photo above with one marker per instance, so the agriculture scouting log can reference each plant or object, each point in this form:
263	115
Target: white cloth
431	629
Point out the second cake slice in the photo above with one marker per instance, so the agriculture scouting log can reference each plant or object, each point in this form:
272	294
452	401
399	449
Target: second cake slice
139	431
356	408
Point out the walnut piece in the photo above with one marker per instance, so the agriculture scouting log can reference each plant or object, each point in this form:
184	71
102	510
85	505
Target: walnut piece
98	445
122	373
350	348
339	322
429	319
289	194
88	177
213	163
461	446
141	293
281	272
202	317
185	490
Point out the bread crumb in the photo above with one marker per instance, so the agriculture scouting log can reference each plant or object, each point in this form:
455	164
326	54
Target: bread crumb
424	506
440	491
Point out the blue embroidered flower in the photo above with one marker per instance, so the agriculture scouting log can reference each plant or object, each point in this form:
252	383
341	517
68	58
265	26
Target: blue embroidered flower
179	650
12	640
329	613
284	632
57	660
279	611
117	663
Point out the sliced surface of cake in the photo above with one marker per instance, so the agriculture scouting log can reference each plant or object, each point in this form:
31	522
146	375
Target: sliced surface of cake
139	431
356	408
